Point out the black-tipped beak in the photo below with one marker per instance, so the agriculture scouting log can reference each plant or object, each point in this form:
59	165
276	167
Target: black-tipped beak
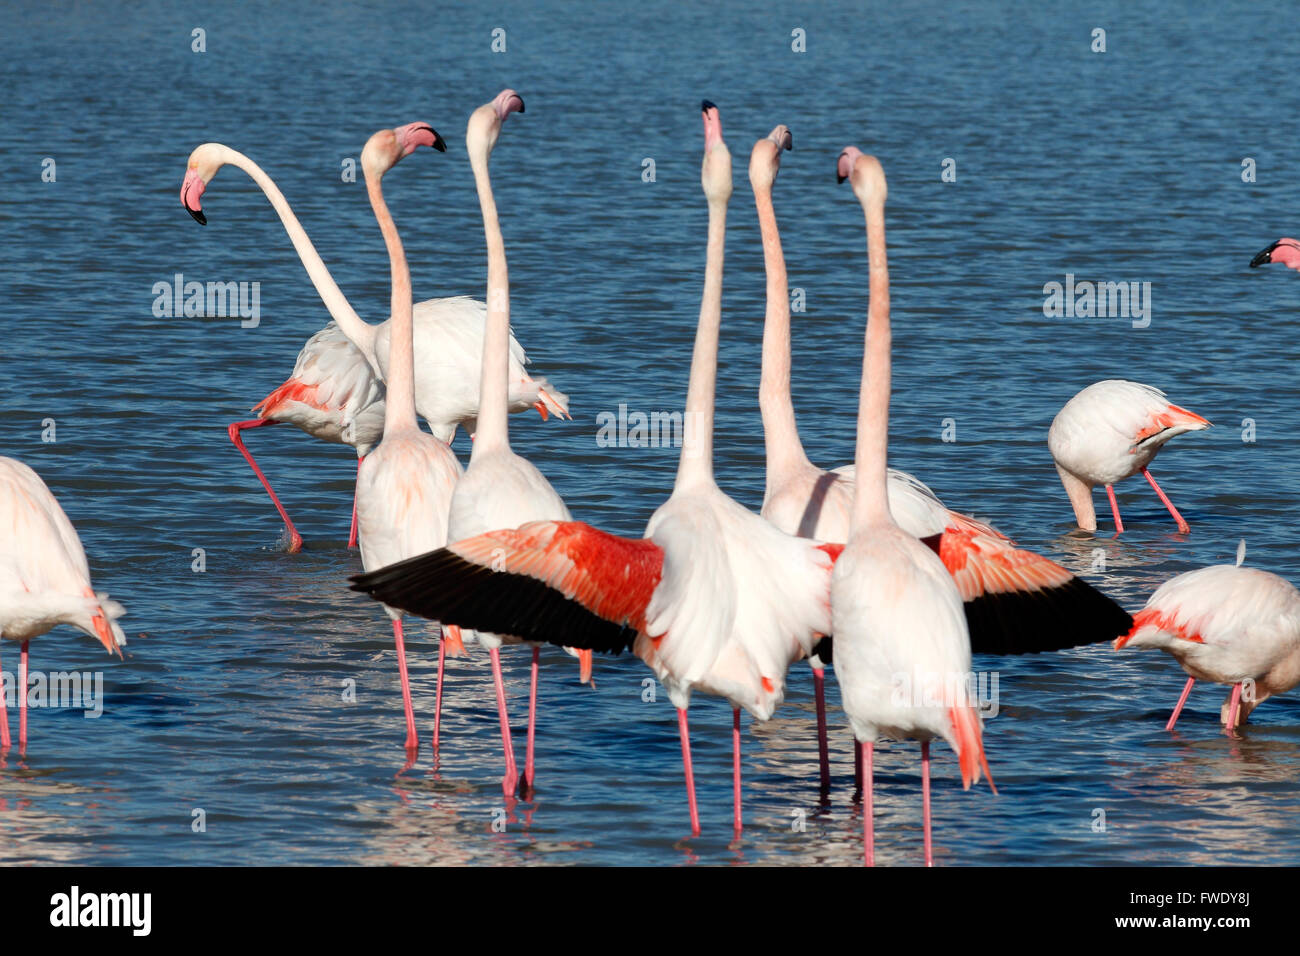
839	178
1264	257
202	220
705	106
438	142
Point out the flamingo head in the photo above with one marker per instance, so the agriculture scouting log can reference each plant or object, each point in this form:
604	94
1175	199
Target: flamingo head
716	172
865	174
485	122
387	147
765	158
202	166
1285	251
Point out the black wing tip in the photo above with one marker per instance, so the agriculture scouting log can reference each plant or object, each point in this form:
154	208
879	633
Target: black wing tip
1073	614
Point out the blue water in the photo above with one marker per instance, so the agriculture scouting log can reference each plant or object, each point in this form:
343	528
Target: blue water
1120	166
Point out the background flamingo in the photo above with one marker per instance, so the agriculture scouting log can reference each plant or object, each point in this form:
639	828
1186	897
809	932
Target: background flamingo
894	607
1111	430
44	579
1285	251
714	597
404	485
1226	624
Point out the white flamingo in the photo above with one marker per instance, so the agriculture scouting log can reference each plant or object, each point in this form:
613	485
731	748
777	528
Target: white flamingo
714	598
406	483
1016	601
44	578
1111	430
1229	625
896	612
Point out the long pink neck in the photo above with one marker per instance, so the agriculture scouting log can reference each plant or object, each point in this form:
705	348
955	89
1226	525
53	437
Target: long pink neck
781	435
696	463
399	405
493	430
361	333
871	501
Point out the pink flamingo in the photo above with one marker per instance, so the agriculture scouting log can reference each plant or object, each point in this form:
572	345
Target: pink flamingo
714	598
500	489
1111	430
1226	624
896	612
1285	251
44	578
405	484
1016	601
448	344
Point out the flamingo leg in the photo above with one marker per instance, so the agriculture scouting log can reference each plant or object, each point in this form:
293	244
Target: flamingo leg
5	741
864	752
511	780
412	741
352	535
1183	526
1114	507
925	799
1187	689
233	429
857	773
823	747
532	723
437	700
685	732
1231	710
735	770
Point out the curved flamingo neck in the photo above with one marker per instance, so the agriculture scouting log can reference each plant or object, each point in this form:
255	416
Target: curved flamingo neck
696	463
360	332
399	406
785	453
871	501
493	432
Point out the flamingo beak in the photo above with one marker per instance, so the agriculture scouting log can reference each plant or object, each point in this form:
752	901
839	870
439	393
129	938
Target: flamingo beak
782	138
507	102
420	134
1263	257
191	192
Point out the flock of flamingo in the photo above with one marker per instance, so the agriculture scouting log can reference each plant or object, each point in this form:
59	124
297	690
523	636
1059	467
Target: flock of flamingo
861	566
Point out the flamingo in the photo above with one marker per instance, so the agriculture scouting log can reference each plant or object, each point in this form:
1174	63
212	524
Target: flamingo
1111	430
895	610
713	598
44	578
1285	251
404	485
1227	624
1016	601
332	395
500	489
448	336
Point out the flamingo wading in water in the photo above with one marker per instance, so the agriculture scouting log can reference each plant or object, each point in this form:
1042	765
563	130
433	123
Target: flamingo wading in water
44	578
902	650
713	598
405	484
1227	624
1015	601
1111	430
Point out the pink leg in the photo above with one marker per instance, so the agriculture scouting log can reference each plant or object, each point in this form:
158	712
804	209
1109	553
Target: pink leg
22	700
532	723
412	741
1187	689
1183	526
1114	507
823	747
295	539
5	741
735	770
437	700
511	780
1231	710
685	732
925	799
352	535
864	752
